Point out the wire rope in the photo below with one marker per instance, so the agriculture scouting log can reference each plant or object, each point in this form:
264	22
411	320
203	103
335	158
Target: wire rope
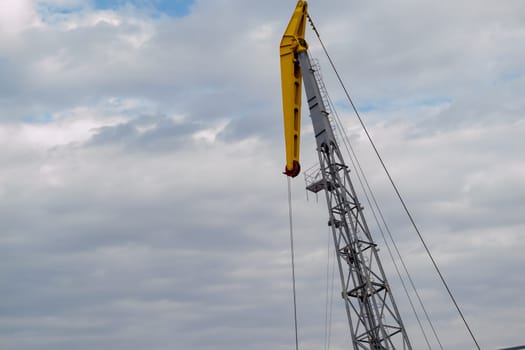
409	215
330	277
361	177
327	295
360	173
292	261
339	131
331	305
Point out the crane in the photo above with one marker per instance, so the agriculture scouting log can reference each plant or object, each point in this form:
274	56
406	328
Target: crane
373	317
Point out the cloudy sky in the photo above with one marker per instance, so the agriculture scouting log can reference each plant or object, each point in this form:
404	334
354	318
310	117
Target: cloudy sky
142	204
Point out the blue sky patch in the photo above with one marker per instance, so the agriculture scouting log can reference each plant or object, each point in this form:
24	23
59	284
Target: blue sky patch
45	118
51	12
174	8
388	105
509	76
431	101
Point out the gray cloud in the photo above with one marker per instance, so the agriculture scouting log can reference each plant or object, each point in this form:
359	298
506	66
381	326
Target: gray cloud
152	134
141	200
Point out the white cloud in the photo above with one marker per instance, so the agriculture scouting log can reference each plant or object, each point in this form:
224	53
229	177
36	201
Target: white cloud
17	15
141	197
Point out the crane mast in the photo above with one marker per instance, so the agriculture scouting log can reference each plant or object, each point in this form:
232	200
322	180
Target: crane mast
373	317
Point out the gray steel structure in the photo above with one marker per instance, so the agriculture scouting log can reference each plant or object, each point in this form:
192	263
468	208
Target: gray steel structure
374	320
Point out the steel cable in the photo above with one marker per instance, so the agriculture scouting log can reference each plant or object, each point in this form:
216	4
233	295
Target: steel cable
409	215
293	262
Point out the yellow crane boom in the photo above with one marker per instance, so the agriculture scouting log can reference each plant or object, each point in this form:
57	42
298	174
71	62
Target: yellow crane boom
292	43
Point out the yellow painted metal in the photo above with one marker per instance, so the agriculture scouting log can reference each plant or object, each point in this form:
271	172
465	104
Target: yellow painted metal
292	43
